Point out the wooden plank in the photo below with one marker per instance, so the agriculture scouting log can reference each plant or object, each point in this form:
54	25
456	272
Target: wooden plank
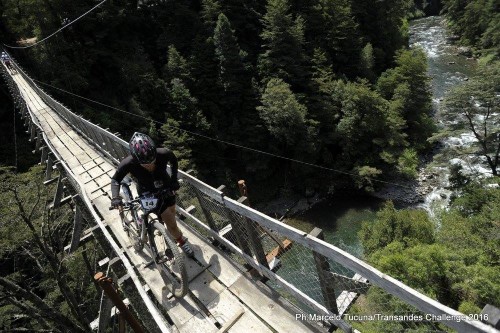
181	311
269	274
269	306
220	265
228	324
248	323
278	251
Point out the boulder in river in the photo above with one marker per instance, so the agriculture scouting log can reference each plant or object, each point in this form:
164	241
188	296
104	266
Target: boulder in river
465	51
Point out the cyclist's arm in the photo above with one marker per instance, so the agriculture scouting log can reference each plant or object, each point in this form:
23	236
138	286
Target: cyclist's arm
121	171
172	160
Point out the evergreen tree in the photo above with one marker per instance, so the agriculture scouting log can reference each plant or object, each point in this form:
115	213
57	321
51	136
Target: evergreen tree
211	9
283	115
232	76
382	24
361	130
367	62
408	88
245	16
184	117
340	37
176	66
283	37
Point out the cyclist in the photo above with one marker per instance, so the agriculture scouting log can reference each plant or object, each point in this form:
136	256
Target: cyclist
148	165
6	60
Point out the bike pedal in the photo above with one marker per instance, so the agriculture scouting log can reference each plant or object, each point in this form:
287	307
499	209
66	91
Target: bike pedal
162	259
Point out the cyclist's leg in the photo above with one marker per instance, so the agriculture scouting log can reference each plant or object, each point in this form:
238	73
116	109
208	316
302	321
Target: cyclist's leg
168	217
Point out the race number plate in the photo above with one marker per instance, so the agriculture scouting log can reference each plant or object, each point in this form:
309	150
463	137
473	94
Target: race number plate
149	203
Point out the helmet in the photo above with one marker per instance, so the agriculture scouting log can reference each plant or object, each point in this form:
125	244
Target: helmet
142	148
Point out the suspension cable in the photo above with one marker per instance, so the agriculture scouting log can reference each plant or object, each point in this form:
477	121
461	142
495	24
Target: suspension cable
57	31
223	141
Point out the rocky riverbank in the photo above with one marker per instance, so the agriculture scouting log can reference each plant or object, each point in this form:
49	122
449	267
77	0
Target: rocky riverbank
289	206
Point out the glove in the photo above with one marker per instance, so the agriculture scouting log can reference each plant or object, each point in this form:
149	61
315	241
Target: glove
174	185
116	202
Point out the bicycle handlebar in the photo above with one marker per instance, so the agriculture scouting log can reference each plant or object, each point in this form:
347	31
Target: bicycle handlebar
138	199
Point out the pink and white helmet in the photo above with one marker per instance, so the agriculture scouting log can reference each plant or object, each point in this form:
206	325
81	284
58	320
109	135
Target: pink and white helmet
142	148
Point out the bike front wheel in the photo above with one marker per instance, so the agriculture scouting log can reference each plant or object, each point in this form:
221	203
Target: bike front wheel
170	260
133	229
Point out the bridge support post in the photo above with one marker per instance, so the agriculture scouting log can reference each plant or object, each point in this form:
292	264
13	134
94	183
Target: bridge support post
107	287
45	154
323	268
203	204
205	210
240	233
253	237
77	228
38	141
50	166
32	131
59	192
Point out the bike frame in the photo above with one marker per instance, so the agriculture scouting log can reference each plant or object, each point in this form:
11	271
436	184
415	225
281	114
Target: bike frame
144	223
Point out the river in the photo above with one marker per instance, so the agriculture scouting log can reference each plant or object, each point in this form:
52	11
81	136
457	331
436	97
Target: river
341	217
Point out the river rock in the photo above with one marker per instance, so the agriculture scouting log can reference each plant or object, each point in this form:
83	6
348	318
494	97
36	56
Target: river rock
465	51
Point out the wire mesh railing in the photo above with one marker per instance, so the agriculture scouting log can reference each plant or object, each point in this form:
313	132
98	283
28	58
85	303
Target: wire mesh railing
329	284
36	132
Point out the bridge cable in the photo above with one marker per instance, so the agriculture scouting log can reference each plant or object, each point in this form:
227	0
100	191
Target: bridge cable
223	141
57	31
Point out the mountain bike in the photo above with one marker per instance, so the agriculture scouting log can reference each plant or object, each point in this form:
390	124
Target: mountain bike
10	67
143	230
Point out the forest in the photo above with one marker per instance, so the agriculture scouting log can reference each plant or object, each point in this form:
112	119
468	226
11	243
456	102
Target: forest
326	82
207	77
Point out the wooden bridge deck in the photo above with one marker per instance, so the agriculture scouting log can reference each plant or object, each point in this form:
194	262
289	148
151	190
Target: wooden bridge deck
222	297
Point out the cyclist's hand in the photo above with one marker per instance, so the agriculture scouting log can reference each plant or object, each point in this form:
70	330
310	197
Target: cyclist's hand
116	202
174	185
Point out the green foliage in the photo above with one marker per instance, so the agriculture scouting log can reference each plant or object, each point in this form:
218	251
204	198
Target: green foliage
407	87
177	66
455	261
183	119
423	266
367	62
284	116
340	36
408	163
362	128
283	37
223	54
53	284
381	23
407	227
366	176
474	106
476	22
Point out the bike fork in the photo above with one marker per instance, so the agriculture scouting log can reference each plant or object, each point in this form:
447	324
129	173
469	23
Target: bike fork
152	245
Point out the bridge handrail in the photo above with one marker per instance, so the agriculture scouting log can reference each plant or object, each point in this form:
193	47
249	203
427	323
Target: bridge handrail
84	197
116	148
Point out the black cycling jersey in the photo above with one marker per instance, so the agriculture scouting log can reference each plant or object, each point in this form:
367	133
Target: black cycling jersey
146	181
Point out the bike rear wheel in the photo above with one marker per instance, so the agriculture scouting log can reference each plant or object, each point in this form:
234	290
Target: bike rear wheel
171	260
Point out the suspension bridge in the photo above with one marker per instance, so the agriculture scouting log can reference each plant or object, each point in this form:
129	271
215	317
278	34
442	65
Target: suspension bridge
250	272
